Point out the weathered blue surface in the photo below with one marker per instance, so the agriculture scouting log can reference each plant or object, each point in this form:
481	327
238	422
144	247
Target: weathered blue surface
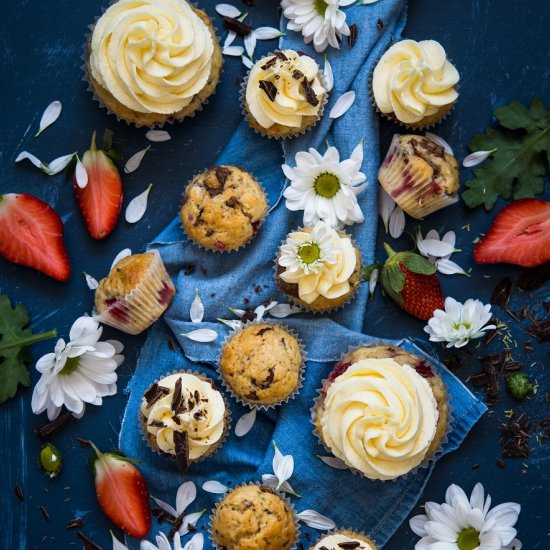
500	48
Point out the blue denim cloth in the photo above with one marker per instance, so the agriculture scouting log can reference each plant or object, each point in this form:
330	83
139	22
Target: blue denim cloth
226	280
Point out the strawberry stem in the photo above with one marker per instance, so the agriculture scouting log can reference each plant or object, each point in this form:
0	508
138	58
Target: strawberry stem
389	250
93	145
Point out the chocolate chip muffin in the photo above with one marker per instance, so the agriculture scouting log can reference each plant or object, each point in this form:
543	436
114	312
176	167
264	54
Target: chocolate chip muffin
262	364
253	517
223	208
135	294
344	539
419	175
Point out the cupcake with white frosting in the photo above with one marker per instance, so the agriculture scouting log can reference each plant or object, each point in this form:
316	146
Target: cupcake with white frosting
318	268
414	83
284	94
382	411
184	417
344	539
153	61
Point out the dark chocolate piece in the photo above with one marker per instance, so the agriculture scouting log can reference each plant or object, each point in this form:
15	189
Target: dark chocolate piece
154	393
269	88
297	74
239	27
46	430
76	522
89	544
502	293
352	37
311	98
269	63
280	55
222	173
181	443
176	398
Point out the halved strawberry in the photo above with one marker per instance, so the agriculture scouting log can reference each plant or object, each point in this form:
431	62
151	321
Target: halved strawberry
31	234
101	200
519	234
122	493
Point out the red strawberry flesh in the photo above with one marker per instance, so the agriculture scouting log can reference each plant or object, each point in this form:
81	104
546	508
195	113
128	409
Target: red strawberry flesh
421	294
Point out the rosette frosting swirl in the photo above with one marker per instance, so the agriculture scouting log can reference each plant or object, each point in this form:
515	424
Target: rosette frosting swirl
414	80
283	88
200	412
380	418
153	56
338	541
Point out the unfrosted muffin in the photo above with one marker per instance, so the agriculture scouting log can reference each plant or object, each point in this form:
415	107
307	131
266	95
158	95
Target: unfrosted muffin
184	417
414	83
383	411
223	208
344	539
152	61
135	294
284	94
262	364
419	175
253	517
318	268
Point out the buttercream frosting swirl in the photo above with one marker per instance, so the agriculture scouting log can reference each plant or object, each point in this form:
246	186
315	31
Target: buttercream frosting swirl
332	542
319	261
414	80
153	56
380	418
203	419
287	103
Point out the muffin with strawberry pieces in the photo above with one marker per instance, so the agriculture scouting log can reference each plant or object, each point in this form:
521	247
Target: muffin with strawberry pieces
135	294
353	421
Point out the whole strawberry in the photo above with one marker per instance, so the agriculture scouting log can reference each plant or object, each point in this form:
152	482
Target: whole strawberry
410	280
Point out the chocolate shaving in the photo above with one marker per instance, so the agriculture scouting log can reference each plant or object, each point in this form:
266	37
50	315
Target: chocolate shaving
534	277
89	544
178	522
238	27
181	443
188	269
540	330
154	393
157	424
352	37
380	24
281	55
269	63
349	545
311	98
19	492
46	430
162	515
76	522
171	344
297	74
502	293
269	88
44	512
84	443
515	436
176	398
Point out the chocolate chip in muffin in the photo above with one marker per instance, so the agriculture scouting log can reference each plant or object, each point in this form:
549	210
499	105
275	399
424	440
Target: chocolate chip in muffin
231	202
222	173
264	330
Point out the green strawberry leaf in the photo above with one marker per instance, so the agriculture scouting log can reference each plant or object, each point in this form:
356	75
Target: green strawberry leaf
367	271
518	166
14	341
393	282
416	263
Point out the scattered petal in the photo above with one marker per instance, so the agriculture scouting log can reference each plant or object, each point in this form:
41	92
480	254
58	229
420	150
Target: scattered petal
372	281
328	75
81	175
197	309
120	256
237	312
267	33
201	335
333	462
245	423
247	62
190	521
261	310
233	324
50	115
316	520
91	281
250	44
135	160
448	267
215	487
234	51
37	162
397	223
59	164
227	10
229	39
166	507
386	205
476	158
367	2
117	545
196	542
271	481
158	135
344	102
441	142
345	3
137	206
187	493
434	247
283	466
280	311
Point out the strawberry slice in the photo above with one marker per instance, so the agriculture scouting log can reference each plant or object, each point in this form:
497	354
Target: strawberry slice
101	200
519	234
121	493
31	234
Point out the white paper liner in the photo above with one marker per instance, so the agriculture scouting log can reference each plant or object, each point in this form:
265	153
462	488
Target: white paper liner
428	459
141	307
299	131
303	305
215	447
346	532
171	118
260	222
259	484
243	400
419	200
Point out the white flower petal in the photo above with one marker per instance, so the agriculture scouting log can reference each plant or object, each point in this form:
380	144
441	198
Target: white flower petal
476	158
120	256
247	62
80	174
227	10
187	493
91	281
134	161
50	115
233	324
235	51
59	164
250	44
437	248
245	423
397	223
316	520
229	39
334	462
342	105
440	141
25	155
117	545
215	487
285	468
158	135
267	33
196	542
448	267
386	206
137	206
372	281
166	507
190	520
197	309
202	335
328	75
280	311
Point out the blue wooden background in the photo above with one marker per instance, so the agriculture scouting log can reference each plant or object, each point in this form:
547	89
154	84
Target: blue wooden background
501	50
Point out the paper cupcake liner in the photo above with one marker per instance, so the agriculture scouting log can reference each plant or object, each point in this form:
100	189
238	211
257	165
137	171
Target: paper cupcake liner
433	457
260	222
227	417
242	400
282	496
145	303
346	532
419	199
169	118
299	131
306	307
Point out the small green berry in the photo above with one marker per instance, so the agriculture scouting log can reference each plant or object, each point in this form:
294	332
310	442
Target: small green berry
50	460
518	385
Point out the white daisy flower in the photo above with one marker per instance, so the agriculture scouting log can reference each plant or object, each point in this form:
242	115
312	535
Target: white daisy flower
320	21
326	188
439	251
162	543
459	323
462	524
78	372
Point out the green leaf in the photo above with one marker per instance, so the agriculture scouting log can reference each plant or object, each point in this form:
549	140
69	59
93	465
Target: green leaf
393	282
107	142
415	263
14	341
367	271
518	166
